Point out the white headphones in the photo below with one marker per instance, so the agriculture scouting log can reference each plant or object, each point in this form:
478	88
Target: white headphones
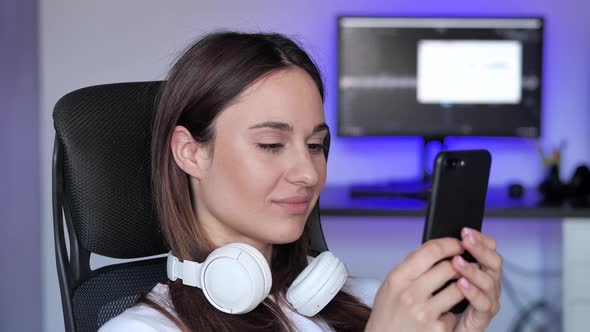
236	278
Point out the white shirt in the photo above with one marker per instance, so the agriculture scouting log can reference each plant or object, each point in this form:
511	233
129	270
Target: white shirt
143	318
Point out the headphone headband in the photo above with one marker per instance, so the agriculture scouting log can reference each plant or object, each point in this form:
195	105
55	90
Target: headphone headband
188	271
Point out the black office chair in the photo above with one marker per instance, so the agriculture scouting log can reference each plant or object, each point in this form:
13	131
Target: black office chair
101	184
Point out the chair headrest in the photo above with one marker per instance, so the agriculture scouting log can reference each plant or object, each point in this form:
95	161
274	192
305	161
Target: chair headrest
105	131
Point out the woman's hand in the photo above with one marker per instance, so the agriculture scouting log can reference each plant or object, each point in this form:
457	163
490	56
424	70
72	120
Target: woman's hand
480	285
405	302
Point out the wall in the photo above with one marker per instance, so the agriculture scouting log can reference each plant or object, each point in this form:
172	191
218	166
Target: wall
85	43
20	259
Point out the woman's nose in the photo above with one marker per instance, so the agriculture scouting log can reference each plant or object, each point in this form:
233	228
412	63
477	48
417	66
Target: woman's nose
303	170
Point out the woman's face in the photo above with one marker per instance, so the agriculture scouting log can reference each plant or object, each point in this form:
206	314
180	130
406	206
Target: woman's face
268	167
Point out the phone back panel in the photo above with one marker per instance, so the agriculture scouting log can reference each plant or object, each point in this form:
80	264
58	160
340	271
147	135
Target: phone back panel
459	187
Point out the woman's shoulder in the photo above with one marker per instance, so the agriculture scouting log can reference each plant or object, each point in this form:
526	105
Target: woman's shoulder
142	317
365	289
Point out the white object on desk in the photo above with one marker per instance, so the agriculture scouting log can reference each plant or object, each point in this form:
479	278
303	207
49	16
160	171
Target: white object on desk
576	274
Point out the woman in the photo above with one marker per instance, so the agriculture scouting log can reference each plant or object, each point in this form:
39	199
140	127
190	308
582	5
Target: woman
238	157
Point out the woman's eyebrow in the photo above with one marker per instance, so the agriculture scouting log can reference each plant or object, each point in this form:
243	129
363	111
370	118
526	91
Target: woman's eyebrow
321	127
282	126
273	125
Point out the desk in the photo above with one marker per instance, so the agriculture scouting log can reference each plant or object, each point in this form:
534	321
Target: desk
575	224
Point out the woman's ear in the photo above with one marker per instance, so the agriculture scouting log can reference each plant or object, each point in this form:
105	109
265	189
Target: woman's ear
191	156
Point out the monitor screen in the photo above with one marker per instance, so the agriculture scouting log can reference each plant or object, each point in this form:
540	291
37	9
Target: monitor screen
437	77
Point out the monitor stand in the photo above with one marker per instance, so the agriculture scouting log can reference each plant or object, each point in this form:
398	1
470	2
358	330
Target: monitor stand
415	188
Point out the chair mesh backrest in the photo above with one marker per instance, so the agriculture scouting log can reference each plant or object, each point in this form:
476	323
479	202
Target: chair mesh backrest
106	131
109	294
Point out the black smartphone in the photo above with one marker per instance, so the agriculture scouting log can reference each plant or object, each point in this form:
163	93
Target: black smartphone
457	199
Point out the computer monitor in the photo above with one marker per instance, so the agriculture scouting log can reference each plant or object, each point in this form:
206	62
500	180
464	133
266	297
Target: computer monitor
438	77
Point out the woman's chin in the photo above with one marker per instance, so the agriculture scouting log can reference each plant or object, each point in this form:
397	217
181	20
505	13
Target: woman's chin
282	235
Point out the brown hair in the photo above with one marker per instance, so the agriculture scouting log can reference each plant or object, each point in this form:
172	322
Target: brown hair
208	76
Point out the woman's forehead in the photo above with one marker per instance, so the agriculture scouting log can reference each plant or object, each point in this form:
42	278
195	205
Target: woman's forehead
288	96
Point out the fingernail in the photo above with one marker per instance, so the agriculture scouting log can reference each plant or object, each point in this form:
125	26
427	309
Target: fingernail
464	283
471	238
468	235
461	262
465	231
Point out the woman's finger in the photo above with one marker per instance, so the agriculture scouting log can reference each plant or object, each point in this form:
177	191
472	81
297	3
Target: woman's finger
486	240
434	279
477	277
449	321
427	255
479	300
487	258
446	299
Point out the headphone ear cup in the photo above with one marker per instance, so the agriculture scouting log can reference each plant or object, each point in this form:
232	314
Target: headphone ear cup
236	278
317	284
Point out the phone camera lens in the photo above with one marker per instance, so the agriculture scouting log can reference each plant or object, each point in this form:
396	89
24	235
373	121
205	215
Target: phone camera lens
452	163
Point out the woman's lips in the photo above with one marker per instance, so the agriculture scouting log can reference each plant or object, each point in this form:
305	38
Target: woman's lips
294	205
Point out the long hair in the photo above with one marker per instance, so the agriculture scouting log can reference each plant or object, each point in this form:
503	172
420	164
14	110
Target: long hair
206	79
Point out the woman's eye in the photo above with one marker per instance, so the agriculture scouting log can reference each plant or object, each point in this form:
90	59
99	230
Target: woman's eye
315	147
273	147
